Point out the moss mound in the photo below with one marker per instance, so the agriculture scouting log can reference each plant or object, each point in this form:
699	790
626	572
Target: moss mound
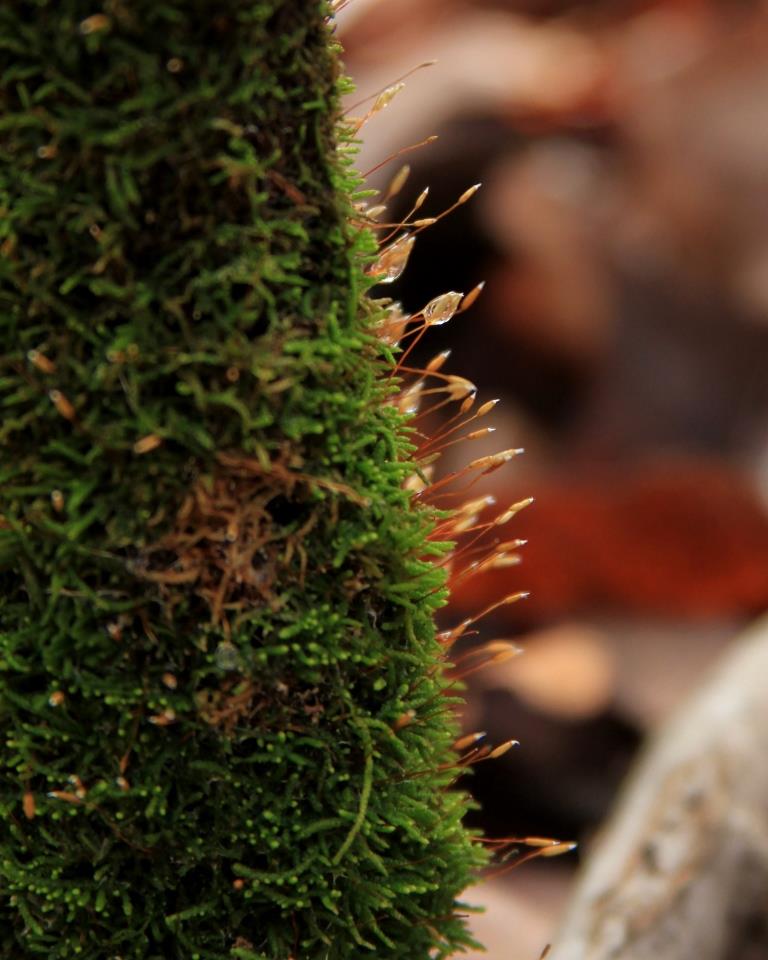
223	720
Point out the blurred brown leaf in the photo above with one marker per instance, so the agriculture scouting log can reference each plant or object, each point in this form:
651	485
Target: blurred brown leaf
684	539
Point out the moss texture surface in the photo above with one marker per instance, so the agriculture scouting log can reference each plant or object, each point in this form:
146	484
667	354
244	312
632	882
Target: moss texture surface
216	601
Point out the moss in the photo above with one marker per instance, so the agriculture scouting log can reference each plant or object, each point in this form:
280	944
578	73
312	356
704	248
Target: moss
216	599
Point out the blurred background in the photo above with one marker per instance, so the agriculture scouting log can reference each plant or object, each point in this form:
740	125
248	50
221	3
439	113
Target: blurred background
622	231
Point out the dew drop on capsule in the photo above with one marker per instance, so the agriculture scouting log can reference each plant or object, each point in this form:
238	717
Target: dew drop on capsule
226	656
442	308
393	259
386	97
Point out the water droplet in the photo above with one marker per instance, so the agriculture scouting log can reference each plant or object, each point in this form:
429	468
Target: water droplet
442	308
386	97
408	402
392	327
393	259
227	656
373	212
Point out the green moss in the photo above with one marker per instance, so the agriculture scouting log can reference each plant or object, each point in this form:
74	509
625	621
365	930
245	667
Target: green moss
215	597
